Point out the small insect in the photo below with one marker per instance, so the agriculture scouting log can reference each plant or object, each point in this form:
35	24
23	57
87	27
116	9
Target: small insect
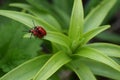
37	31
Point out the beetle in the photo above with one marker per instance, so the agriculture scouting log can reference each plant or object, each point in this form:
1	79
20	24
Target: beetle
38	31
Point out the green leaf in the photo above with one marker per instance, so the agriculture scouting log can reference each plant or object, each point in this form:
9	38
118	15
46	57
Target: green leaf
14	50
108	49
109	36
27	70
89	35
27	19
112	12
81	70
41	5
52	65
58	13
96	55
101	69
97	15
45	16
56	37
76	23
65	5
90	5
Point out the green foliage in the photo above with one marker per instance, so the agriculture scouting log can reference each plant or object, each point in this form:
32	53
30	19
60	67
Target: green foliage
76	23
28	68
97	15
53	9
70	50
52	65
110	37
105	35
14	50
81	70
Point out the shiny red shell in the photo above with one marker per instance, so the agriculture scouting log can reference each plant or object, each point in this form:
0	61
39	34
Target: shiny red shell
38	31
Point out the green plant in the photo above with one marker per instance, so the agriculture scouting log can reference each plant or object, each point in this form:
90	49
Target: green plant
107	35
71	50
14	49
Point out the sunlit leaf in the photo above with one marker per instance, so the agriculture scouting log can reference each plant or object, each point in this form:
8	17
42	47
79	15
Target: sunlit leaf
81	70
27	70
52	65
97	15
27	19
101	69
45	16
96	55
107	48
56	37
89	35
76	23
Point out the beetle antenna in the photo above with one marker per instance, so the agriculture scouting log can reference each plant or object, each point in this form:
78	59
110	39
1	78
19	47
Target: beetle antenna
33	23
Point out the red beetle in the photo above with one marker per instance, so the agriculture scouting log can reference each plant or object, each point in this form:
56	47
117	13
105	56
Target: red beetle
38	31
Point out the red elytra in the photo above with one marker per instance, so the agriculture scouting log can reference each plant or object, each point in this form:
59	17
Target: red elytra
38	31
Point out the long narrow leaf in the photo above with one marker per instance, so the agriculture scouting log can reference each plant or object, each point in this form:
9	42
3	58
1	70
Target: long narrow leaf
96	55
58	13
97	15
101	69
26	70
108	49
26	19
89	35
107	37
91	4
59	39
52	65
76	23
41	5
45	16
81	70
56	37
